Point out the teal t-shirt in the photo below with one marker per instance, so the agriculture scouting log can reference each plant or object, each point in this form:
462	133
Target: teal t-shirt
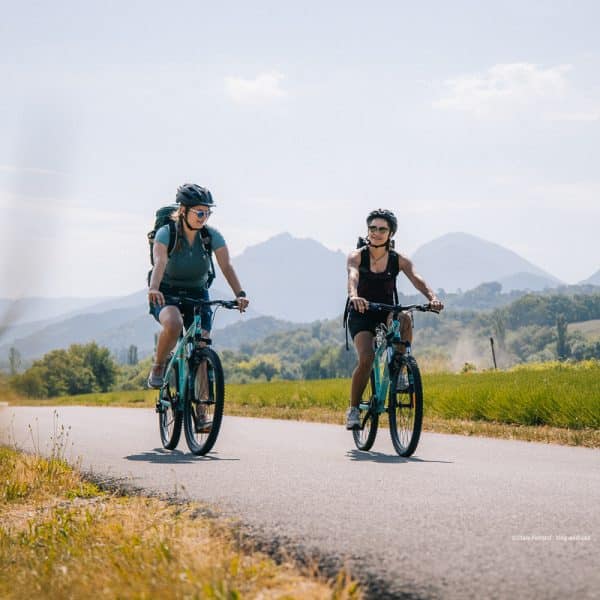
188	266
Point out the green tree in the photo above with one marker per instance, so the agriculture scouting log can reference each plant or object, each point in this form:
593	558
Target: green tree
562	344
14	360
100	362
77	370
32	383
132	355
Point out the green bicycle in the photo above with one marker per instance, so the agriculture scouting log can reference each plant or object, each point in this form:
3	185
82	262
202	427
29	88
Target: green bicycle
193	392
395	376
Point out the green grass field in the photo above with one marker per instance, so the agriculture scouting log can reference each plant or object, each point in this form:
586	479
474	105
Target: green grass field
550	394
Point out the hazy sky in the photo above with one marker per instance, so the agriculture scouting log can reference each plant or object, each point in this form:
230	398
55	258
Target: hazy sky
481	117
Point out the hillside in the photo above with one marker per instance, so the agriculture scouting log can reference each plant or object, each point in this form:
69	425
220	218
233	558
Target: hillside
289	281
249	331
293	279
463	261
26	310
593	279
116	324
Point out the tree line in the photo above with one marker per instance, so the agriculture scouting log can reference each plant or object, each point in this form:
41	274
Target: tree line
533	327
80	369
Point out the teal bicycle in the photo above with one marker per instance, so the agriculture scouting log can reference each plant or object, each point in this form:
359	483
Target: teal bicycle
193	392
395	376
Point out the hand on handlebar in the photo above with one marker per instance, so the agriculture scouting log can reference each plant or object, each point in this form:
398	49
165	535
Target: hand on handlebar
359	304
242	303
156	297
435	305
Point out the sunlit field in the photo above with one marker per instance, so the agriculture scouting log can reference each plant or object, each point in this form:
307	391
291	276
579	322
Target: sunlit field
558	395
63	537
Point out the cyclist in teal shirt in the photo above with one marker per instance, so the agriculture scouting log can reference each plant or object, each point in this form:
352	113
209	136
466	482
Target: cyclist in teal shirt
185	272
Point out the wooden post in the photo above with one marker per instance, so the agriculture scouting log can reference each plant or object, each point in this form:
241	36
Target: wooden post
493	352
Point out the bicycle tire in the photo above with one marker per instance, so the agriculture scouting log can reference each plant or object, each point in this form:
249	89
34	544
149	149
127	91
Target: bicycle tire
170	417
405	408
369	418
208	401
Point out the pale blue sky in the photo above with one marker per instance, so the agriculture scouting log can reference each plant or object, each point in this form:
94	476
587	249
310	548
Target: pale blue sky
460	116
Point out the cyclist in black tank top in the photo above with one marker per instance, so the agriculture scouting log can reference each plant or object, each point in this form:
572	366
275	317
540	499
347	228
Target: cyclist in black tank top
372	273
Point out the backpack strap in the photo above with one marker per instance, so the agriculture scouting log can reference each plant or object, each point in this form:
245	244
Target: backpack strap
207	243
394	271
173	235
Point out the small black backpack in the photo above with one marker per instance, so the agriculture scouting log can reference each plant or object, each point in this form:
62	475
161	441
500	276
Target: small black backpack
162	218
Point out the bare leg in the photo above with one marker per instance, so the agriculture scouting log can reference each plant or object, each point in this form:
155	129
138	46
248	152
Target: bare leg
363	342
406	331
171	321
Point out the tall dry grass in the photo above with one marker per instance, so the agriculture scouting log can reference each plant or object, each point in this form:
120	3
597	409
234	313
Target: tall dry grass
61	537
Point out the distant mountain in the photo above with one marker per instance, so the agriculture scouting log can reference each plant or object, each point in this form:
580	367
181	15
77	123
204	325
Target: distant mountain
116	324
298	280
27	310
463	261
289	279
593	279
527	281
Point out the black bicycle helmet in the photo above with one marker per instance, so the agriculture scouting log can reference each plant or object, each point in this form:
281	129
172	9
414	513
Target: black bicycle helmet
388	215
190	194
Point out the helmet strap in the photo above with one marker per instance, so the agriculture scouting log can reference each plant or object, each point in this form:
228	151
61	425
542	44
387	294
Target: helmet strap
377	245
185	218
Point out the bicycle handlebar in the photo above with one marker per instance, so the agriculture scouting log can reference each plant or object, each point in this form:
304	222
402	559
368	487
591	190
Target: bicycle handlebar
399	307
224	303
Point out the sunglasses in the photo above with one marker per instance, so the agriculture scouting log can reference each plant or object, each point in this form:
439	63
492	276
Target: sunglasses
201	213
375	229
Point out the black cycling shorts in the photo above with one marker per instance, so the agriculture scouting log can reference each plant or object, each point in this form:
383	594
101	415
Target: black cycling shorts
366	321
187	309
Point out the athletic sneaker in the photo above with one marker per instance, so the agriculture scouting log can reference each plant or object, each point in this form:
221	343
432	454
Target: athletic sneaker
352	418
156	380
202	423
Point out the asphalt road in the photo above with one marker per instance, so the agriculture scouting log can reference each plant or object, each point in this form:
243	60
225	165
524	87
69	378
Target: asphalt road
464	518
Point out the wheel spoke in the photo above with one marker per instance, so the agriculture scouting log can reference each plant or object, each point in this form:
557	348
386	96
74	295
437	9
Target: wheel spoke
204	405
406	407
369	418
169	415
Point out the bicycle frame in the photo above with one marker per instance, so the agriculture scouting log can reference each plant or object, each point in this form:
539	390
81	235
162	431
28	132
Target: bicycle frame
184	350
180	355
384	341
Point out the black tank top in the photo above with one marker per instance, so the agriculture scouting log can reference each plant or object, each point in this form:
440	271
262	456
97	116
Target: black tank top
377	287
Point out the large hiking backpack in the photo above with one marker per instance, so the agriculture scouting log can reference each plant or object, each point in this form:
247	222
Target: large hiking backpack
163	217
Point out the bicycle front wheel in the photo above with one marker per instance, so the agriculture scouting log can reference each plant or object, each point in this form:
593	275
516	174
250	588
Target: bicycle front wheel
169	413
369	418
203	409
405	406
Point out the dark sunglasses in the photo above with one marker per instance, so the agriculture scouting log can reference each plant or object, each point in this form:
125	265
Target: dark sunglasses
201	213
375	229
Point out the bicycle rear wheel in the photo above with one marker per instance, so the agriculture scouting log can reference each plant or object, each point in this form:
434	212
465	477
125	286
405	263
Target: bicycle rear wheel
405	406
369	418
203	409
169	413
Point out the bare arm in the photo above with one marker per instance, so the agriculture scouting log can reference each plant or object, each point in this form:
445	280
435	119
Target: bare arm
358	303
407	267
224	262
160	258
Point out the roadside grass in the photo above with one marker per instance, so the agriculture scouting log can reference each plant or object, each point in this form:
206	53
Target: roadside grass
550	402
62	537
